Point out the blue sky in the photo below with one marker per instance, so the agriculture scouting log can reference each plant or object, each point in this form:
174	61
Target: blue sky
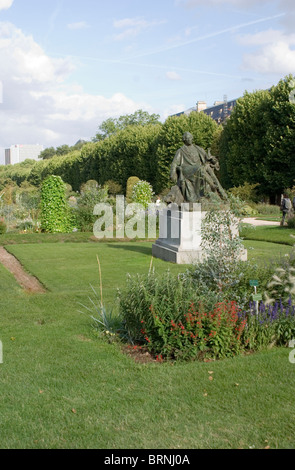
67	65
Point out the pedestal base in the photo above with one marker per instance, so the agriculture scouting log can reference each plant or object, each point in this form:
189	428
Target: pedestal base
175	255
180	237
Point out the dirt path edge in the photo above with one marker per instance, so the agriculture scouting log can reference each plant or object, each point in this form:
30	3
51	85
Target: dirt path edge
28	282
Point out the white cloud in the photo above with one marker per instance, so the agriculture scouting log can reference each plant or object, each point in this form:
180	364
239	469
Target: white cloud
39	106
174	109
5	4
78	25
173	76
275	53
132	27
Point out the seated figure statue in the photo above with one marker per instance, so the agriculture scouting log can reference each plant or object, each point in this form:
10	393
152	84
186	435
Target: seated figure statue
193	171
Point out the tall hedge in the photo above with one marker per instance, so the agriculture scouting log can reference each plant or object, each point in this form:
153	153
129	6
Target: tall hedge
143	151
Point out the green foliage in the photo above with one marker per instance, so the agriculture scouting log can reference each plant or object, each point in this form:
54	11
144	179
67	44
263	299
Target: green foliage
111	126
55	212
132	181
113	188
142	193
169	296
104	320
90	185
247	192
291	222
256	150
176	319
91	194
3	226
202	127
47	153
131	151
282	285
267	209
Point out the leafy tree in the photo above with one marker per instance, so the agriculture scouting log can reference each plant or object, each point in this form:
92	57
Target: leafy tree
47	153
112	125
258	141
63	150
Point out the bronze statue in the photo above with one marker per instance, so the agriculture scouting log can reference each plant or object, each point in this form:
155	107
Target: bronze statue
193	171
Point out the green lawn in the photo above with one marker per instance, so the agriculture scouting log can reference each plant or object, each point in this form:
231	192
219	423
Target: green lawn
272	234
62	387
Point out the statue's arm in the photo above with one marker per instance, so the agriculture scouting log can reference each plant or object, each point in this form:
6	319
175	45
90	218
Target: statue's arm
176	162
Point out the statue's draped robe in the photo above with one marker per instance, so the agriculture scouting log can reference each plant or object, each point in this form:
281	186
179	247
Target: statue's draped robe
188	168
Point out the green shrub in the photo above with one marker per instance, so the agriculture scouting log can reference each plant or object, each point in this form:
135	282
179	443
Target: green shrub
3	227
268	209
177	320
268	325
129	187
90	196
291	222
249	211
246	192
90	185
142	193
113	187
148	299
56	216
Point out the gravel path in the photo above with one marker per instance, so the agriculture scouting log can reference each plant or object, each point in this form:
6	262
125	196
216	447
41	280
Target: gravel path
253	221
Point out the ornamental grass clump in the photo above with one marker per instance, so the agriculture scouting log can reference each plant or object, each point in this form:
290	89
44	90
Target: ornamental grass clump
105	321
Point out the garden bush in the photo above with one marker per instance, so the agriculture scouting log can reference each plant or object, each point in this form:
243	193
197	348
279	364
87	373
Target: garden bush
113	187
291	221
142	193
129	187
91	194
56	215
3	227
268	209
247	192
268	325
176	320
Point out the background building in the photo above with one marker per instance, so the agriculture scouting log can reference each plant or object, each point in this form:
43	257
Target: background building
219	111
20	153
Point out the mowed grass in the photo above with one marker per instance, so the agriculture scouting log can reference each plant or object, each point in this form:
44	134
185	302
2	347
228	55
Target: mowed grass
62	387
271	234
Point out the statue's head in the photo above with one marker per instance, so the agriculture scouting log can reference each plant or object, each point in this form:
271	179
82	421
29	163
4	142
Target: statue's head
187	138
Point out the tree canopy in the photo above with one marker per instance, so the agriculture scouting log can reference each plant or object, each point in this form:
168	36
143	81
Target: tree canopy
112	125
258	141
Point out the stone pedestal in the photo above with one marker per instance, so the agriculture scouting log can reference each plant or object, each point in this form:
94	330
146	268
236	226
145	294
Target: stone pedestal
180	237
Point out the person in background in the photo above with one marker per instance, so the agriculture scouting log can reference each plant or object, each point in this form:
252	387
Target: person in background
286	207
